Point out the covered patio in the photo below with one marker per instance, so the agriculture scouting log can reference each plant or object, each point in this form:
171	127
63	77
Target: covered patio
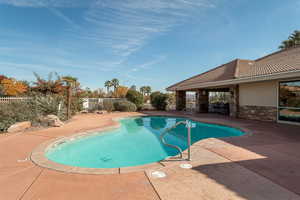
265	89
204	103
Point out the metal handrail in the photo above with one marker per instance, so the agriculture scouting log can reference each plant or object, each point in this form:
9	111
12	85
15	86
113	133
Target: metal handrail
187	123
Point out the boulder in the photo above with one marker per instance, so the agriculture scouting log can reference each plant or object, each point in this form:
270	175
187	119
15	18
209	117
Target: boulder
17	127
102	112
52	120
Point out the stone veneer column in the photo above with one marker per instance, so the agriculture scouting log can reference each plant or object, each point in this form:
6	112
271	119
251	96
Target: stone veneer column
202	101
234	101
180	100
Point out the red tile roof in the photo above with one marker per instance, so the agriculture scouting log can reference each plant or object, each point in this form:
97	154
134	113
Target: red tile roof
278	62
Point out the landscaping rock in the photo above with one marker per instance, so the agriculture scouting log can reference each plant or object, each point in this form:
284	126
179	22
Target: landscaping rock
52	120
102	112
17	127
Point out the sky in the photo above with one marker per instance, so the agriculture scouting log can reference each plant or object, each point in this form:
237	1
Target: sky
140	42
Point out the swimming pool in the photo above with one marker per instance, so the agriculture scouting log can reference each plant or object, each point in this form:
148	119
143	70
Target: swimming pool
136	142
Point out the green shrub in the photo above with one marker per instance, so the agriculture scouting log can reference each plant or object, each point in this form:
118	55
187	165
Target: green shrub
125	106
47	104
108	105
31	110
153	95
159	100
135	97
13	112
76	105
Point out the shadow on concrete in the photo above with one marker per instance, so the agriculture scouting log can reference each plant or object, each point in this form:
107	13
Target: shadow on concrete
279	144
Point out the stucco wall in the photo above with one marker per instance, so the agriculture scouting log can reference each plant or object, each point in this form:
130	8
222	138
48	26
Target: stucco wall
258	94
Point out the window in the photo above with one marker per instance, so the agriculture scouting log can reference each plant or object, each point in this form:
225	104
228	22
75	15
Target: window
289	101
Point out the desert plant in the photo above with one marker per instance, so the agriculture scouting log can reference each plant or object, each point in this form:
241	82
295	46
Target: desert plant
47	104
125	106
135	97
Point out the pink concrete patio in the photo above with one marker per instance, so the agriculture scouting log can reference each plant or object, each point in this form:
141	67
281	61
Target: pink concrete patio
262	165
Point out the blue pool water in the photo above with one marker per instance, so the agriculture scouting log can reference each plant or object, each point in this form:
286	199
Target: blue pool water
136	142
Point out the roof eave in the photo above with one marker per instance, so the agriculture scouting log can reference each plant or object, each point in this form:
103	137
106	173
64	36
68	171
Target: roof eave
268	77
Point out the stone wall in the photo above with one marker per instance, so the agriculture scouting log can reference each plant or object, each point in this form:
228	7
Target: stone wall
262	113
234	101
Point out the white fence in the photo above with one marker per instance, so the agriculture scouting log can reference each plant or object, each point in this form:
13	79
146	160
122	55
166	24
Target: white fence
88	103
96	103
11	99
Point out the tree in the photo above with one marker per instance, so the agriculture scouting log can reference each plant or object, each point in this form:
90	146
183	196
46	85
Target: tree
2	92
48	86
292	41
107	84
121	91
135	97
143	90
148	90
12	87
159	100
133	87
115	83
2	77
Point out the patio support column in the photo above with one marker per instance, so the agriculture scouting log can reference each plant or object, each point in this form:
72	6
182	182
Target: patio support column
234	101
202	101
180	100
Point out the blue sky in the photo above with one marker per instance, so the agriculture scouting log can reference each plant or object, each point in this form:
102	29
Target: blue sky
141	42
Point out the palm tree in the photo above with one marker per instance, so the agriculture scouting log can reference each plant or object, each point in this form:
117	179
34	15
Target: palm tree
143	90
115	83
292	41
148	90
107	84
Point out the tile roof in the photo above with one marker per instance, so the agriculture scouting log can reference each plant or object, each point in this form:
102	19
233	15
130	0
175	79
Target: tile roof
281	61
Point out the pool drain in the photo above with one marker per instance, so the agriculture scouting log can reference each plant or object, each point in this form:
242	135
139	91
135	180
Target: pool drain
158	174
186	166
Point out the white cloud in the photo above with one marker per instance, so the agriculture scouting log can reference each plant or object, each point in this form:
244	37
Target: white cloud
147	65
48	3
116	28
125	26
60	15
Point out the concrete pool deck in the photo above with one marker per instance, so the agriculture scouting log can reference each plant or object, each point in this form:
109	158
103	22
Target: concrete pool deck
262	165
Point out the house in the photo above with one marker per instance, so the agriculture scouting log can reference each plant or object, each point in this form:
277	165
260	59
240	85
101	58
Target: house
266	89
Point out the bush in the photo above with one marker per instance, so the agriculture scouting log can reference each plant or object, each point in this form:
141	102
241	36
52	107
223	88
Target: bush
159	100
135	97
13	112
47	104
153	95
76	105
125	106
108	105
31	110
